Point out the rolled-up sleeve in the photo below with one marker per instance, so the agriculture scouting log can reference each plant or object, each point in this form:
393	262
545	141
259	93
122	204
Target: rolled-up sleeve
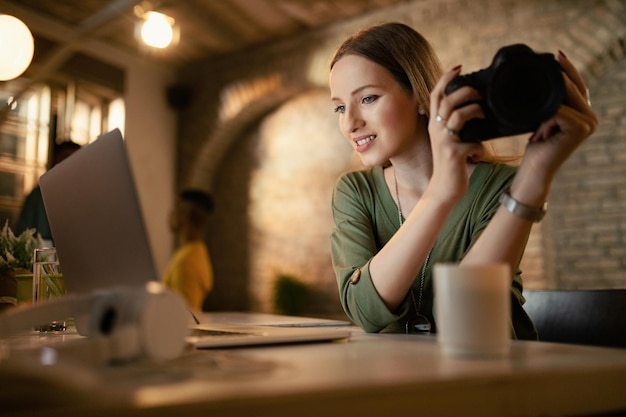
352	247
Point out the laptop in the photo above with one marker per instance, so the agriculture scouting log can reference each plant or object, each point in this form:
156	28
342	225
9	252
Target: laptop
100	236
268	319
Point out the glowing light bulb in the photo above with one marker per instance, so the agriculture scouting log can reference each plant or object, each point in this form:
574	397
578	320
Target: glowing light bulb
157	30
16	47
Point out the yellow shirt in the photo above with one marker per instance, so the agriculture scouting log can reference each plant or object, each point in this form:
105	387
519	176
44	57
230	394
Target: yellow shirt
190	273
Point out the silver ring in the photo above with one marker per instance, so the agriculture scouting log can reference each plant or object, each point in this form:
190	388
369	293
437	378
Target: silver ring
450	132
439	118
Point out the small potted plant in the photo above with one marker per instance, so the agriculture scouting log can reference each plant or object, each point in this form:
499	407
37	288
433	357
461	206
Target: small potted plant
16	257
290	295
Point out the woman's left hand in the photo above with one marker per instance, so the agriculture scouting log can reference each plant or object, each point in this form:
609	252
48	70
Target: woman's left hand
557	138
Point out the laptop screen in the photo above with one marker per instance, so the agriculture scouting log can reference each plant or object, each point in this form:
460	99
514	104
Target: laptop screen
96	219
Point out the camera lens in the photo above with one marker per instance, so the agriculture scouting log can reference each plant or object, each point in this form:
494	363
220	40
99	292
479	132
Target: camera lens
526	91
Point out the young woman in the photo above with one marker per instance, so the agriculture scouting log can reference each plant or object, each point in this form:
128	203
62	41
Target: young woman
427	197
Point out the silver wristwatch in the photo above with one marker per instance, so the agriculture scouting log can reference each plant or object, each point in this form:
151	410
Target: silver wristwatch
522	210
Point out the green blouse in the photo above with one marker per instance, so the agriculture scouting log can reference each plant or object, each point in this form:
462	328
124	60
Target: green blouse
366	217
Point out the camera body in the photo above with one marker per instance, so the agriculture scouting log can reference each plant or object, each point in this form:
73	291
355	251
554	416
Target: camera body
519	90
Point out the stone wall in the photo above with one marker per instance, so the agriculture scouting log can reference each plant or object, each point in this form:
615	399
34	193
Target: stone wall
260	134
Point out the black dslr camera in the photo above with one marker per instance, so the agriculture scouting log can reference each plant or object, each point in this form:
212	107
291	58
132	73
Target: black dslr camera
520	89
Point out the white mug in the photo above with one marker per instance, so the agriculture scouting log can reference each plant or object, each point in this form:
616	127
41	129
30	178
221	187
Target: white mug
473	309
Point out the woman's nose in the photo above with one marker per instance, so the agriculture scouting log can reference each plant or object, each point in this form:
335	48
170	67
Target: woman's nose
352	120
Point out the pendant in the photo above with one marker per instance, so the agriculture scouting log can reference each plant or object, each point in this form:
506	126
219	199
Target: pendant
419	324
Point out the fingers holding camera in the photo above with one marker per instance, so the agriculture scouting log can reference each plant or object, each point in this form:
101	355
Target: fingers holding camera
577	94
568	122
460	116
575	118
553	143
573	74
577	99
457	107
454	109
438	106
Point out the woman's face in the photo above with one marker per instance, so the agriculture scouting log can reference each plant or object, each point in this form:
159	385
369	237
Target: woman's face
376	115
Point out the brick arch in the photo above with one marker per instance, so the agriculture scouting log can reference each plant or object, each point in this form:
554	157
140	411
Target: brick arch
210	155
612	53
260	229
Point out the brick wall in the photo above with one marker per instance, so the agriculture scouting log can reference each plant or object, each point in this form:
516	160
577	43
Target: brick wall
260	134
588	219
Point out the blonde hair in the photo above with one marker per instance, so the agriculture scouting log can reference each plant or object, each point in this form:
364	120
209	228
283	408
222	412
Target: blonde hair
406	54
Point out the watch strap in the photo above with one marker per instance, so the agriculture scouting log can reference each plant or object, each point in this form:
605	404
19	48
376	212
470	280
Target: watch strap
522	210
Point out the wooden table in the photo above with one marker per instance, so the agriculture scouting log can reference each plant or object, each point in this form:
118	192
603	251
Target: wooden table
367	375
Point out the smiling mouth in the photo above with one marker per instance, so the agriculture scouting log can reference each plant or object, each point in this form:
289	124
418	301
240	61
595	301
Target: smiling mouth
365	140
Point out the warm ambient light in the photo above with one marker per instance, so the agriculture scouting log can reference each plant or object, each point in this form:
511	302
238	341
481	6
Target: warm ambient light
157	30
16	47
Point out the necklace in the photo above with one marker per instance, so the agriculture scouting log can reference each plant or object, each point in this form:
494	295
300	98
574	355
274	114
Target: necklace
420	323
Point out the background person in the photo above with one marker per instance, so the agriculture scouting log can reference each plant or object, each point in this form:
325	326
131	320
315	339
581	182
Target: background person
33	213
427	197
190	272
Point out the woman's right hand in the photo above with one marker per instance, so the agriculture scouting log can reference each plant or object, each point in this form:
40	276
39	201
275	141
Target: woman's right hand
448	115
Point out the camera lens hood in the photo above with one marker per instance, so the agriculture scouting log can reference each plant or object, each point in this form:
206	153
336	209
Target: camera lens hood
525	90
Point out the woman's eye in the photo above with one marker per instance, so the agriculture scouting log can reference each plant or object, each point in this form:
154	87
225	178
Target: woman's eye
340	109
369	99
